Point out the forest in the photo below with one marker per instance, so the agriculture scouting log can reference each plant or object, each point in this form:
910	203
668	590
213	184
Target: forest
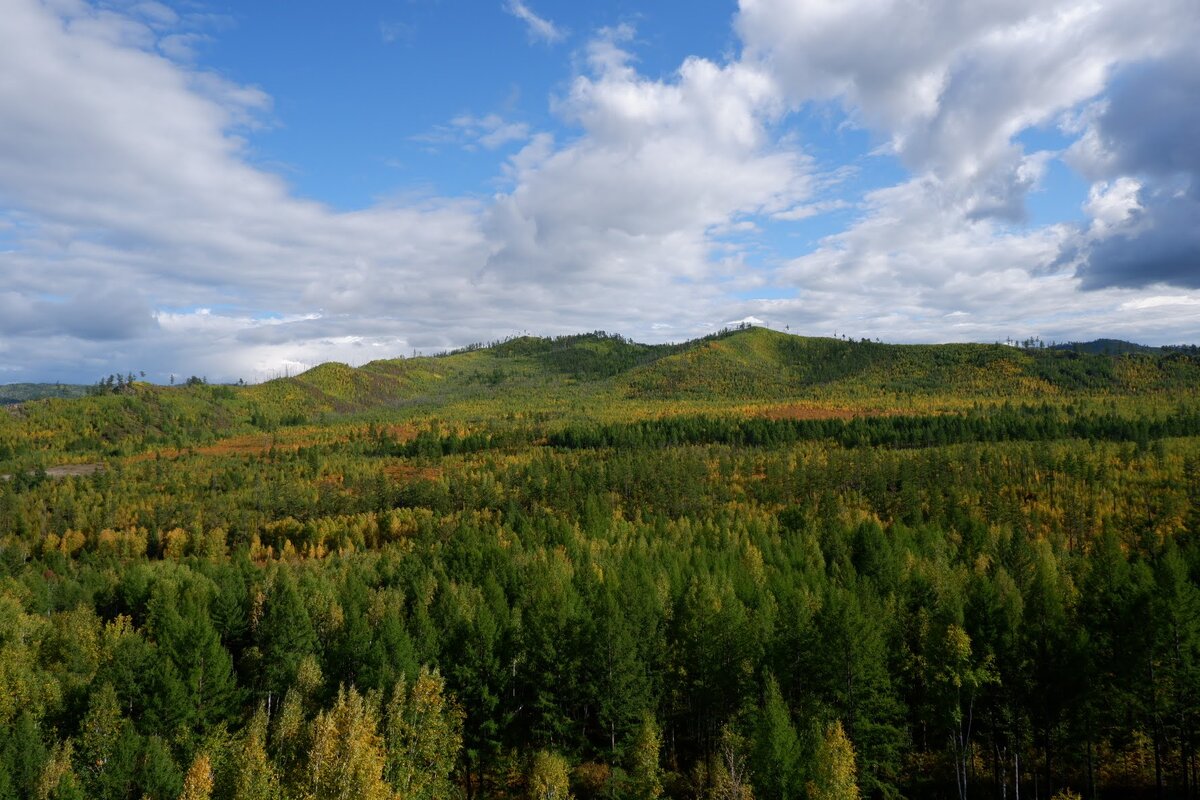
750	566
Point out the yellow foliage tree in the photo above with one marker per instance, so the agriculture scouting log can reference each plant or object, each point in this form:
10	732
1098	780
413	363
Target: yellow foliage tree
731	774
346	760
198	783
423	732
549	777
255	777
836	772
645	771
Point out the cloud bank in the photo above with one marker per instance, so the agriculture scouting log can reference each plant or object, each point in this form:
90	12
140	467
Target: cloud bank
136	232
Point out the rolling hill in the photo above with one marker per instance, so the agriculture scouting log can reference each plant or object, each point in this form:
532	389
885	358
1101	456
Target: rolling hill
598	376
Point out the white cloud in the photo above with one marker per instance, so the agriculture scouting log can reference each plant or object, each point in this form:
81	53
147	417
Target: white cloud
490	131
806	210
611	229
948	85
538	27
626	210
138	235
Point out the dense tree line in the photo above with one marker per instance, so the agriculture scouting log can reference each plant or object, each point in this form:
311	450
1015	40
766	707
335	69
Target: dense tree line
1007	423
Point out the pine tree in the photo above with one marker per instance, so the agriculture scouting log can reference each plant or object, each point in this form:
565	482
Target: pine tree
776	750
22	756
284	634
159	775
195	672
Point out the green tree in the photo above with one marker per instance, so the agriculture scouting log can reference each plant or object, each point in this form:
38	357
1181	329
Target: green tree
22	756
776	749
255	777
644	761
159	776
197	686
955	683
284	635
108	748
730	777
848	657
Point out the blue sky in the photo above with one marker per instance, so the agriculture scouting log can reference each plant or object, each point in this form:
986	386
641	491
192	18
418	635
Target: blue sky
243	189
361	96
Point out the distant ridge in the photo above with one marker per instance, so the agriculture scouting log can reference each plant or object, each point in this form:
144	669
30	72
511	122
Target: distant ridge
12	393
589	374
1108	347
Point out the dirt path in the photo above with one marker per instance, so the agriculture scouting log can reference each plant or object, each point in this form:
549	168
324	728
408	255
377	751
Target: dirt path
67	471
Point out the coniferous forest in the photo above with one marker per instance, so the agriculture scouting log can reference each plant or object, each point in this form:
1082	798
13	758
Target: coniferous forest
749	566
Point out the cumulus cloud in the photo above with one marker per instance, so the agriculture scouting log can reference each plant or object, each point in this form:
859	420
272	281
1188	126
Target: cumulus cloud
949	88
137	233
948	85
629	207
122	168
1141	145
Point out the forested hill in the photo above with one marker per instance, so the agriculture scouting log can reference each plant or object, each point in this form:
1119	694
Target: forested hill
748	364
749	567
596	374
1110	347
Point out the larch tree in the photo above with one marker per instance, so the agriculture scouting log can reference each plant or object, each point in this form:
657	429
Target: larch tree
198	782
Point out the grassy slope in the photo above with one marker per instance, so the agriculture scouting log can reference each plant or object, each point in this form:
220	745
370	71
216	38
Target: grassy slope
594	376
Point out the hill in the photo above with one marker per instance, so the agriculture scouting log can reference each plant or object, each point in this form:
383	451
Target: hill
751	364
597	376
1108	347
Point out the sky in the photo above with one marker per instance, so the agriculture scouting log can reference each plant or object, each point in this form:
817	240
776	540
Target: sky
241	190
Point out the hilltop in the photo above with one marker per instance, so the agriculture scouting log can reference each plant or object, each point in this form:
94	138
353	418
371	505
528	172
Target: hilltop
1108	347
741	365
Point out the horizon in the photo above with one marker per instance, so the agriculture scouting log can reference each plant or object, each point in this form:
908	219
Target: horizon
203	188
182	379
